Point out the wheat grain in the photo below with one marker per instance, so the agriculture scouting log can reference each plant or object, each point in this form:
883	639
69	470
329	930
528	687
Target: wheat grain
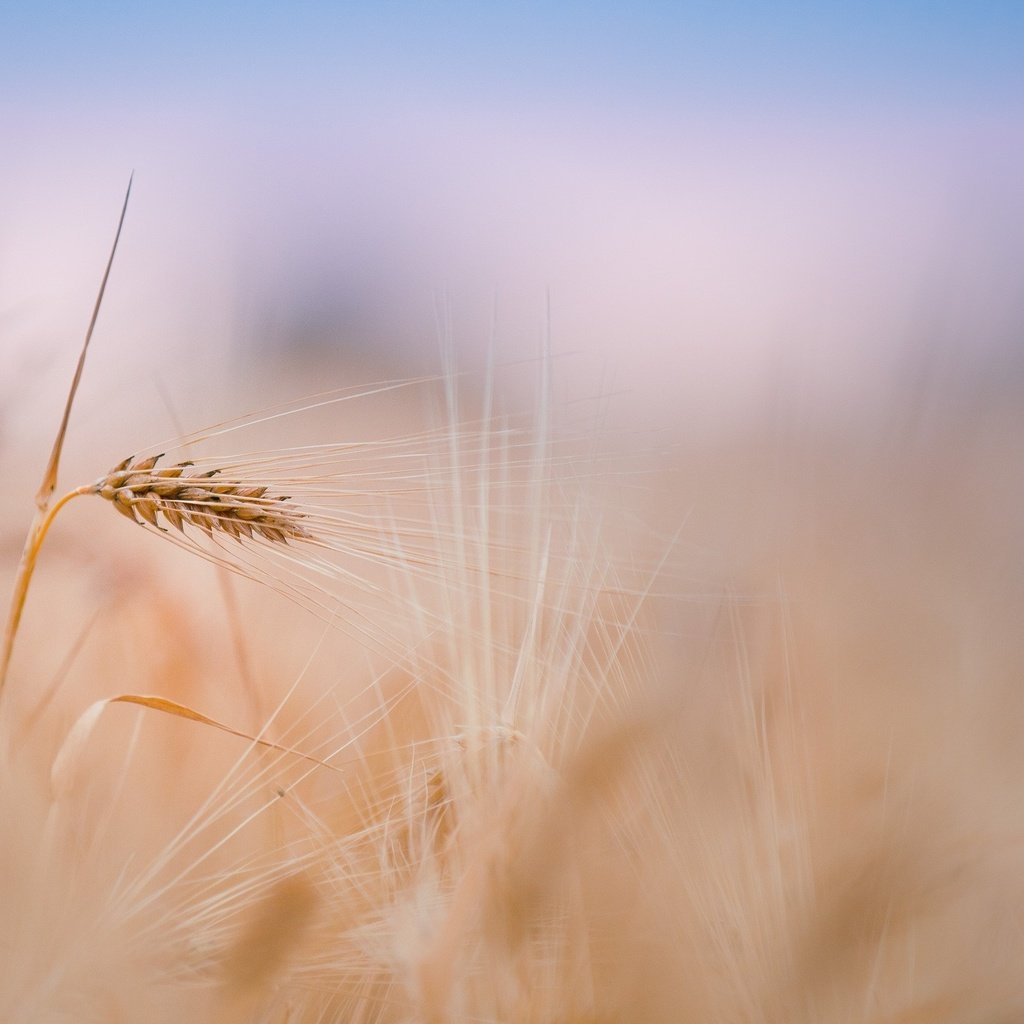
204	500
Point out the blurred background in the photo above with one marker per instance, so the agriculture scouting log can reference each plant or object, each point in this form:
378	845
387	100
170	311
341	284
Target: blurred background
713	199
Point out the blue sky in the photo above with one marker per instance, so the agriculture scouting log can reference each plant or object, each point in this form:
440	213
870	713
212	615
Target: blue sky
655	53
698	178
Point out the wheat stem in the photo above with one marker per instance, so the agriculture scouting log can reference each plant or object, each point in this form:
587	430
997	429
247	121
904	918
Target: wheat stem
36	535
44	515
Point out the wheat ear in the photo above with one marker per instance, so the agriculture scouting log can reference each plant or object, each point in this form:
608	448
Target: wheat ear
205	500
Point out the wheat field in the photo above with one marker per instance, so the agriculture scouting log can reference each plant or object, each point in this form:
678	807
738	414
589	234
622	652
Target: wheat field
442	705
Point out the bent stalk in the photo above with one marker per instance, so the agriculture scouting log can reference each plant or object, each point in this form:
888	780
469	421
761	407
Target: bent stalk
34	541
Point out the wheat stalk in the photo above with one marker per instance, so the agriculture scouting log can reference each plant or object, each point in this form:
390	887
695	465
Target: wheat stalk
44	513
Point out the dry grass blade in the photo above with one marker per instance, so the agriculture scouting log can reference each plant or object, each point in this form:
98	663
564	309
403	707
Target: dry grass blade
44	514
78	735
50	477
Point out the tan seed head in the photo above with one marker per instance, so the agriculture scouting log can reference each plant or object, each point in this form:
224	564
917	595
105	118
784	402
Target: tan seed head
143	493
